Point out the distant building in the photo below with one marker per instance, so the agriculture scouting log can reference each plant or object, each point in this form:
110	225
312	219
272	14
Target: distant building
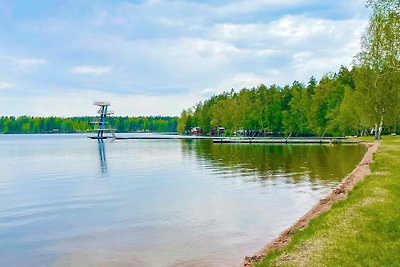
218	131
196	131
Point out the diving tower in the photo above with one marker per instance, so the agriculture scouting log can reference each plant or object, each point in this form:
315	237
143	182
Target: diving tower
100	121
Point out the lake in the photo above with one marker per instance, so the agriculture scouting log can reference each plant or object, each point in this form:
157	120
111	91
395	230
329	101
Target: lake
66	200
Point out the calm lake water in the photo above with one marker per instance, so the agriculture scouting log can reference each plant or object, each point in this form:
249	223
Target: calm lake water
66	200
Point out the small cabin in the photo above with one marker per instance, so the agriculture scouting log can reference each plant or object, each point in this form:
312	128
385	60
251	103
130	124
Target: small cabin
218	131
196	131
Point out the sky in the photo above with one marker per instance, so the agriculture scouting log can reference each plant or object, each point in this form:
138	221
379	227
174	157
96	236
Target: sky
157	57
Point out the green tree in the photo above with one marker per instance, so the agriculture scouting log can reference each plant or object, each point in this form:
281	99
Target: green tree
378	66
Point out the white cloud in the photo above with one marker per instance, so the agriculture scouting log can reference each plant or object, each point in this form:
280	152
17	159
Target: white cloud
94	70
247	6
237	82
288	30
81	101
31	61
329	51
228	55
160	50
6	85
300	27
301	46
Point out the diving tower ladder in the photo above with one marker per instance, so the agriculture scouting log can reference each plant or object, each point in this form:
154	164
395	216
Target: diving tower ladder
101	122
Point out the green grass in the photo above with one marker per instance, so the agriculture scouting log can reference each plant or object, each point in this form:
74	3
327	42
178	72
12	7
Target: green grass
363	230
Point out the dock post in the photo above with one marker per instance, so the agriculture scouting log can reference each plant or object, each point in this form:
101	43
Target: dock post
320	140
287	139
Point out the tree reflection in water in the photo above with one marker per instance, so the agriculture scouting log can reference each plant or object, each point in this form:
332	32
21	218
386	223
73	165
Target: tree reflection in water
320	164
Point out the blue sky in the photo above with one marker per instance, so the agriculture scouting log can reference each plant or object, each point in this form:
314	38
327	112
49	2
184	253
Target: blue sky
157	57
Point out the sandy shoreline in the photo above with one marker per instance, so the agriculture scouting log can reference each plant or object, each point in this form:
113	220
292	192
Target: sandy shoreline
339	193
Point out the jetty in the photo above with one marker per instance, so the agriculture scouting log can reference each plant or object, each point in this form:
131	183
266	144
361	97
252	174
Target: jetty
165	137
234	140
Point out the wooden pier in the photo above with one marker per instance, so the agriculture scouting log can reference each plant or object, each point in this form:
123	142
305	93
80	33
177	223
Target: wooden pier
164	137
224	140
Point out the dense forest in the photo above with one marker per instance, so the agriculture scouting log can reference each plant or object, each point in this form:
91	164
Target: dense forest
348	102
25	124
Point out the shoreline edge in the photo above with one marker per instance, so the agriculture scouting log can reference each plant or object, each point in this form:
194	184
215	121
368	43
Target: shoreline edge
339	193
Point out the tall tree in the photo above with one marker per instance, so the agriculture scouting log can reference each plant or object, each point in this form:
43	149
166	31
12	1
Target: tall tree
378	67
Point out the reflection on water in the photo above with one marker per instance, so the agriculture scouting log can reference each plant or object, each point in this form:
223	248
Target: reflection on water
102	154
168	202
319	163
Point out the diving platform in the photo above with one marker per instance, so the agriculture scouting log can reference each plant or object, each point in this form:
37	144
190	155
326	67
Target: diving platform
102	103
100	121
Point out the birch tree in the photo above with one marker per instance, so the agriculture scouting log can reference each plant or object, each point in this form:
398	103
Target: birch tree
378	67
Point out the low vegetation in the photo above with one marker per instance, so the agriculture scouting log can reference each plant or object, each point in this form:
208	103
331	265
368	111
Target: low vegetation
362	230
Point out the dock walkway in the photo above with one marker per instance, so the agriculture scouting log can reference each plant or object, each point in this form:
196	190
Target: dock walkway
166	137
233	140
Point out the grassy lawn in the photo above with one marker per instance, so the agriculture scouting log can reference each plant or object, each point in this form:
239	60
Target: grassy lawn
363	230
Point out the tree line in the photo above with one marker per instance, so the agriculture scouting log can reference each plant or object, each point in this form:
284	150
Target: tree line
349	102
26	124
